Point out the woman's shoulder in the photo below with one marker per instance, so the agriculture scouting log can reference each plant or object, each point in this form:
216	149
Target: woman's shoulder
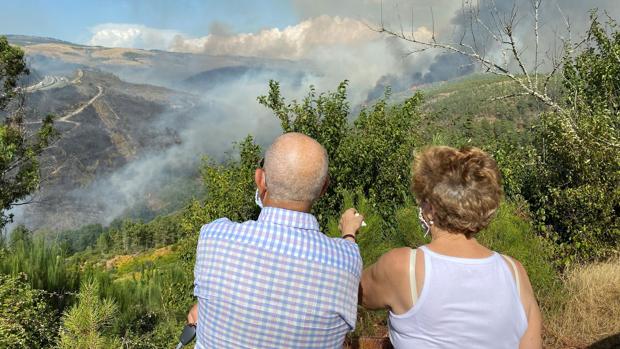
395	255
396	261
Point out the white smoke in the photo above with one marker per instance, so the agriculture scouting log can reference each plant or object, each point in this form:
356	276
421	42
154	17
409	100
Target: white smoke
333	48
292	42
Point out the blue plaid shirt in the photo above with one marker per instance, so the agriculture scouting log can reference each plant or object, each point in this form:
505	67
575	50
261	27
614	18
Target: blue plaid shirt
277	282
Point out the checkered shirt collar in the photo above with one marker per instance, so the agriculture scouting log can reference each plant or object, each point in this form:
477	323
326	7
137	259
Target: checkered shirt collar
294	219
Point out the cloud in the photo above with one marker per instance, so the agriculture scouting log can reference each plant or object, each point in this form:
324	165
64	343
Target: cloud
131	36
292	42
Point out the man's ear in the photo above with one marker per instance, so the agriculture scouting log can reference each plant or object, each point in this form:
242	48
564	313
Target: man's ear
325	186
259	179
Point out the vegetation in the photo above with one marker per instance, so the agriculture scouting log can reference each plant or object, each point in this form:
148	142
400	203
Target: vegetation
83	323
19	167
591	310
561	209
26	320
576	193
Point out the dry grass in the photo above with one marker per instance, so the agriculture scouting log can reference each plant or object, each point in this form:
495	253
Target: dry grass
118	261
592	309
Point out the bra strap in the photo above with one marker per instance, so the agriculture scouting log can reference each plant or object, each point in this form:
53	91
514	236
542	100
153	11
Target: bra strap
516	271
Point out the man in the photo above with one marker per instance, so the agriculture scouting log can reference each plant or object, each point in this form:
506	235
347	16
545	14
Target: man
278	282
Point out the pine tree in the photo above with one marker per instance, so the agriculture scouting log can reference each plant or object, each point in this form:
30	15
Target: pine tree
84	324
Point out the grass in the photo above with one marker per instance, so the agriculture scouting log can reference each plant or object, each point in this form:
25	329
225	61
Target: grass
591	311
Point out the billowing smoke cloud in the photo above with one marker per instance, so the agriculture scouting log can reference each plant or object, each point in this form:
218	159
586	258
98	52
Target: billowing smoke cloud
292	42
334	48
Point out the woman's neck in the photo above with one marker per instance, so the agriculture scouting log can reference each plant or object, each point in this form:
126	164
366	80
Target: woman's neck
456	244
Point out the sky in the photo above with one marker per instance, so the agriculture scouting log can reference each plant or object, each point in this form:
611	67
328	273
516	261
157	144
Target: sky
73	20
270	28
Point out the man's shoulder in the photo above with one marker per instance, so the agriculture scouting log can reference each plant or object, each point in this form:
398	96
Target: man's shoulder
219	225
272	238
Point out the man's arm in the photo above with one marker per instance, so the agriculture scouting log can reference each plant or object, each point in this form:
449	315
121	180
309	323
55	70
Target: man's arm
192	316
350	223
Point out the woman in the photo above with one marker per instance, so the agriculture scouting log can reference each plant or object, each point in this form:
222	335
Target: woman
453	292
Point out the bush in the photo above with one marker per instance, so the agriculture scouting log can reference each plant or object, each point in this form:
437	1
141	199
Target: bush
372	156
26	321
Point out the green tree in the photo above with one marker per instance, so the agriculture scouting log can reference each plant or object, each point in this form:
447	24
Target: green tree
46	265
20	235
84	324
575	189
375	156
372	155
19	151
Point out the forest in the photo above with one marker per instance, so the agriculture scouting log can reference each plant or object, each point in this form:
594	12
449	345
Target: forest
129	284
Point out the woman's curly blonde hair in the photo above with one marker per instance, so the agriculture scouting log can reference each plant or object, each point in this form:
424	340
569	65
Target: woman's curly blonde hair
462	186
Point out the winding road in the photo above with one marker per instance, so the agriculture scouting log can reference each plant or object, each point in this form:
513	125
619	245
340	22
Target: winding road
80	109
50	82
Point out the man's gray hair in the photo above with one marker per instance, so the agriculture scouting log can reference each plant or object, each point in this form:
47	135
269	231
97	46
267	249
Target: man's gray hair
296	168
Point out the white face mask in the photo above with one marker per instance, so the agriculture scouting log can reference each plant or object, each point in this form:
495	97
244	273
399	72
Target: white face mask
257	199
426	226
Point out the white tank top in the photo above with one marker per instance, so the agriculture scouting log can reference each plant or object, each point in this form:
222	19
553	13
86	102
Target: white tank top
465	303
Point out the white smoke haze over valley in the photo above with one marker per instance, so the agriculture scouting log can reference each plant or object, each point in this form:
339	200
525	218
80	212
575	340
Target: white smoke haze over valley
223	72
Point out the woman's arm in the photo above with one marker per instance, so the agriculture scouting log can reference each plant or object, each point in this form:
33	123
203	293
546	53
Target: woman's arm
382	280
532	339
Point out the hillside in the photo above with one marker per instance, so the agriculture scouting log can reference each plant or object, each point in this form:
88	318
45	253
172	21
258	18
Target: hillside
155	67
104	124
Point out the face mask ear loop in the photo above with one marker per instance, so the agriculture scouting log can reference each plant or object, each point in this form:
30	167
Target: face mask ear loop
425	225
257	199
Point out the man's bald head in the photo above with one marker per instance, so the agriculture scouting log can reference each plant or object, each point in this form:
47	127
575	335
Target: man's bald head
295	168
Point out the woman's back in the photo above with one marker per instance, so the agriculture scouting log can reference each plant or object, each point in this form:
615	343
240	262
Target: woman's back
469	297
465	303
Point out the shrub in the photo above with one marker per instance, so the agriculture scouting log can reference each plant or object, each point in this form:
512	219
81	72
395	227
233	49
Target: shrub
26	321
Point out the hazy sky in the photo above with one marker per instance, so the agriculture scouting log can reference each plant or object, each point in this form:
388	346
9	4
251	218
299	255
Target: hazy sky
276	28
73	20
